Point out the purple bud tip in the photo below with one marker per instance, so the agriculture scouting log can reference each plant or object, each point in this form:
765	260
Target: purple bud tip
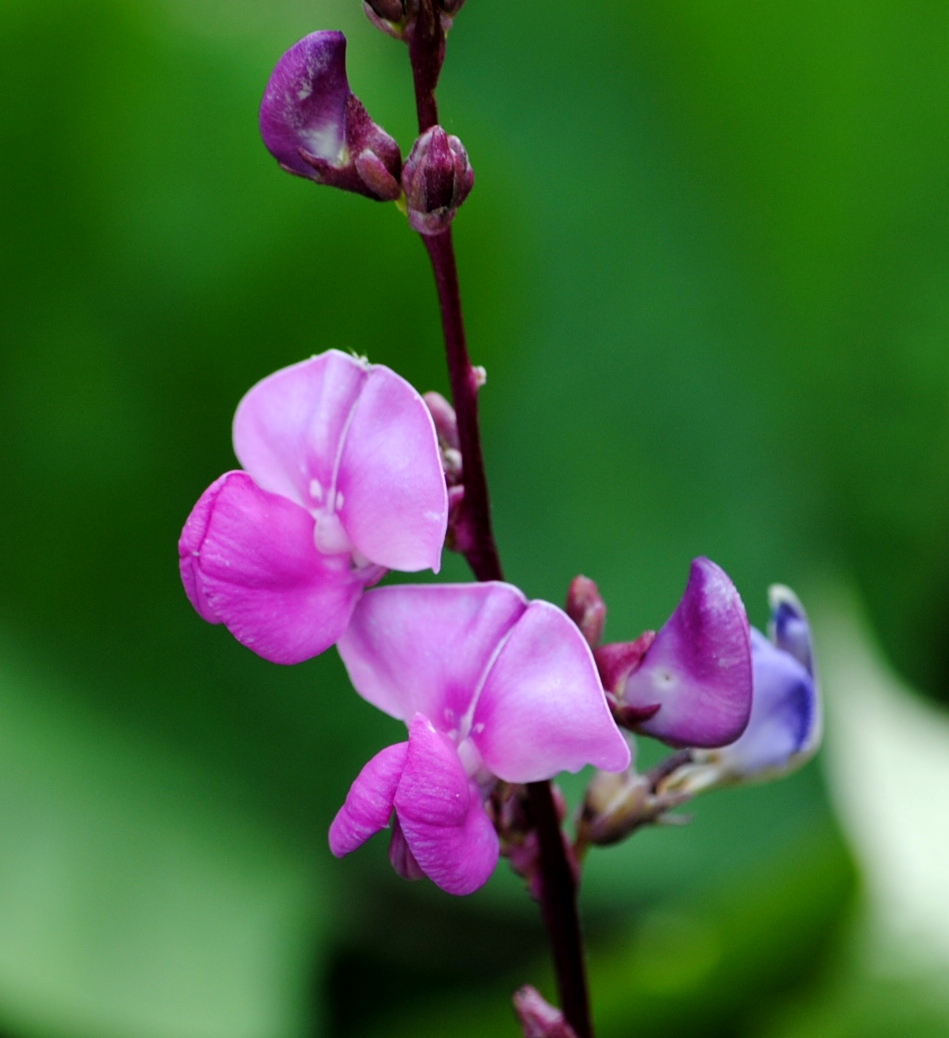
789	628
699	667
437	178
585	606
304	105
538	1018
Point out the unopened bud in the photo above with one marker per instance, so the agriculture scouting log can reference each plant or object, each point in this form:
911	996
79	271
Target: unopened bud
587	609
451	7
387	15
315	127
539	1019
617	804
437	178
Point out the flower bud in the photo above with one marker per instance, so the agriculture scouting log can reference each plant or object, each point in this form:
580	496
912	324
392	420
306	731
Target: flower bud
315	127
451	7
617	804
539	1019
587	609
437	178
388	15
690	685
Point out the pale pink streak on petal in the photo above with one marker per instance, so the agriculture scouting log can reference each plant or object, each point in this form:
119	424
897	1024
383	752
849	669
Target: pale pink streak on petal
369	803
288	427
395	502
248	561
542	709
441	814
699	667
425	648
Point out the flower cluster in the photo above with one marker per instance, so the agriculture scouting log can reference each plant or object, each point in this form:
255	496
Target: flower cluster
344	478
347	472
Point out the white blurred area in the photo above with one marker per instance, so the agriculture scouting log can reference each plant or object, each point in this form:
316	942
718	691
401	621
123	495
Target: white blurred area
887	761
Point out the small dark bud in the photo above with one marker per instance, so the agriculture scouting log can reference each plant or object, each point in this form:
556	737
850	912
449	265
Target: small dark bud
451	7
391	16
437	178
587	609
391	10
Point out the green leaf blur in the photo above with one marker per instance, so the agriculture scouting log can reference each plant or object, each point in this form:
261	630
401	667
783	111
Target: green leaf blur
706	265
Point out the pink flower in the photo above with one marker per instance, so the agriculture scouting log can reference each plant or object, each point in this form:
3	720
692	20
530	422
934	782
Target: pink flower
490	686
342	480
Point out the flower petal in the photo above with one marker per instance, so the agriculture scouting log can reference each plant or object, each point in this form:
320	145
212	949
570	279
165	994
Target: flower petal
441	814
289	427
369	803
248	561
395	504
542	708
425	648
304	104
784	713
699	666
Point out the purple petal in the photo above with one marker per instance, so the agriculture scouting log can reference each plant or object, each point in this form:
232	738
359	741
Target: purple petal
784	715
395	506
699	667
369	803
425	648
441	815
304	104
789	628
289	428
542	708
248	561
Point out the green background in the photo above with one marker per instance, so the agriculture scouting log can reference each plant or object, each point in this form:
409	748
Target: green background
706	265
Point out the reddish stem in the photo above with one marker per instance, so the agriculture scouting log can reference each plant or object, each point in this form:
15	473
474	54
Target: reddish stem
558	887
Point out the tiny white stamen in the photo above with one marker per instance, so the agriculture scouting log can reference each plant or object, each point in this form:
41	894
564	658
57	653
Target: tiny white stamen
316	490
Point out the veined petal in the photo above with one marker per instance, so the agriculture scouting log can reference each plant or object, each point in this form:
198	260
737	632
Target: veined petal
289	427
369	803
542	708
441	814
698	669
304	105
425	648
248	561
395	506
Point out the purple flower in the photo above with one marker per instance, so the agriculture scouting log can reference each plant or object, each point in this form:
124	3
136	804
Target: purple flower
689	685
784	730
314	125
490	686
342	480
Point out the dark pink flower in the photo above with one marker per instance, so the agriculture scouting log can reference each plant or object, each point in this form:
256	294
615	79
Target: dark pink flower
314	126
341	480
490	686
690	684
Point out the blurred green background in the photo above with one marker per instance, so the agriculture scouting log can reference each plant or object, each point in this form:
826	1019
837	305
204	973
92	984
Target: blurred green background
706	265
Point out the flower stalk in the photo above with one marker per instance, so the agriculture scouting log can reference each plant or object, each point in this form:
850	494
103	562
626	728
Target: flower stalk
558	886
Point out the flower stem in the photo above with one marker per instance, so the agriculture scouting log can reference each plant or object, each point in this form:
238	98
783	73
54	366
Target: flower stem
558	887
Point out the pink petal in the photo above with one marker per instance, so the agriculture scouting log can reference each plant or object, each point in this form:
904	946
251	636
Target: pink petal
369	802
426	648
441	814
699	666
288	429
390	475
542	709
248	561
